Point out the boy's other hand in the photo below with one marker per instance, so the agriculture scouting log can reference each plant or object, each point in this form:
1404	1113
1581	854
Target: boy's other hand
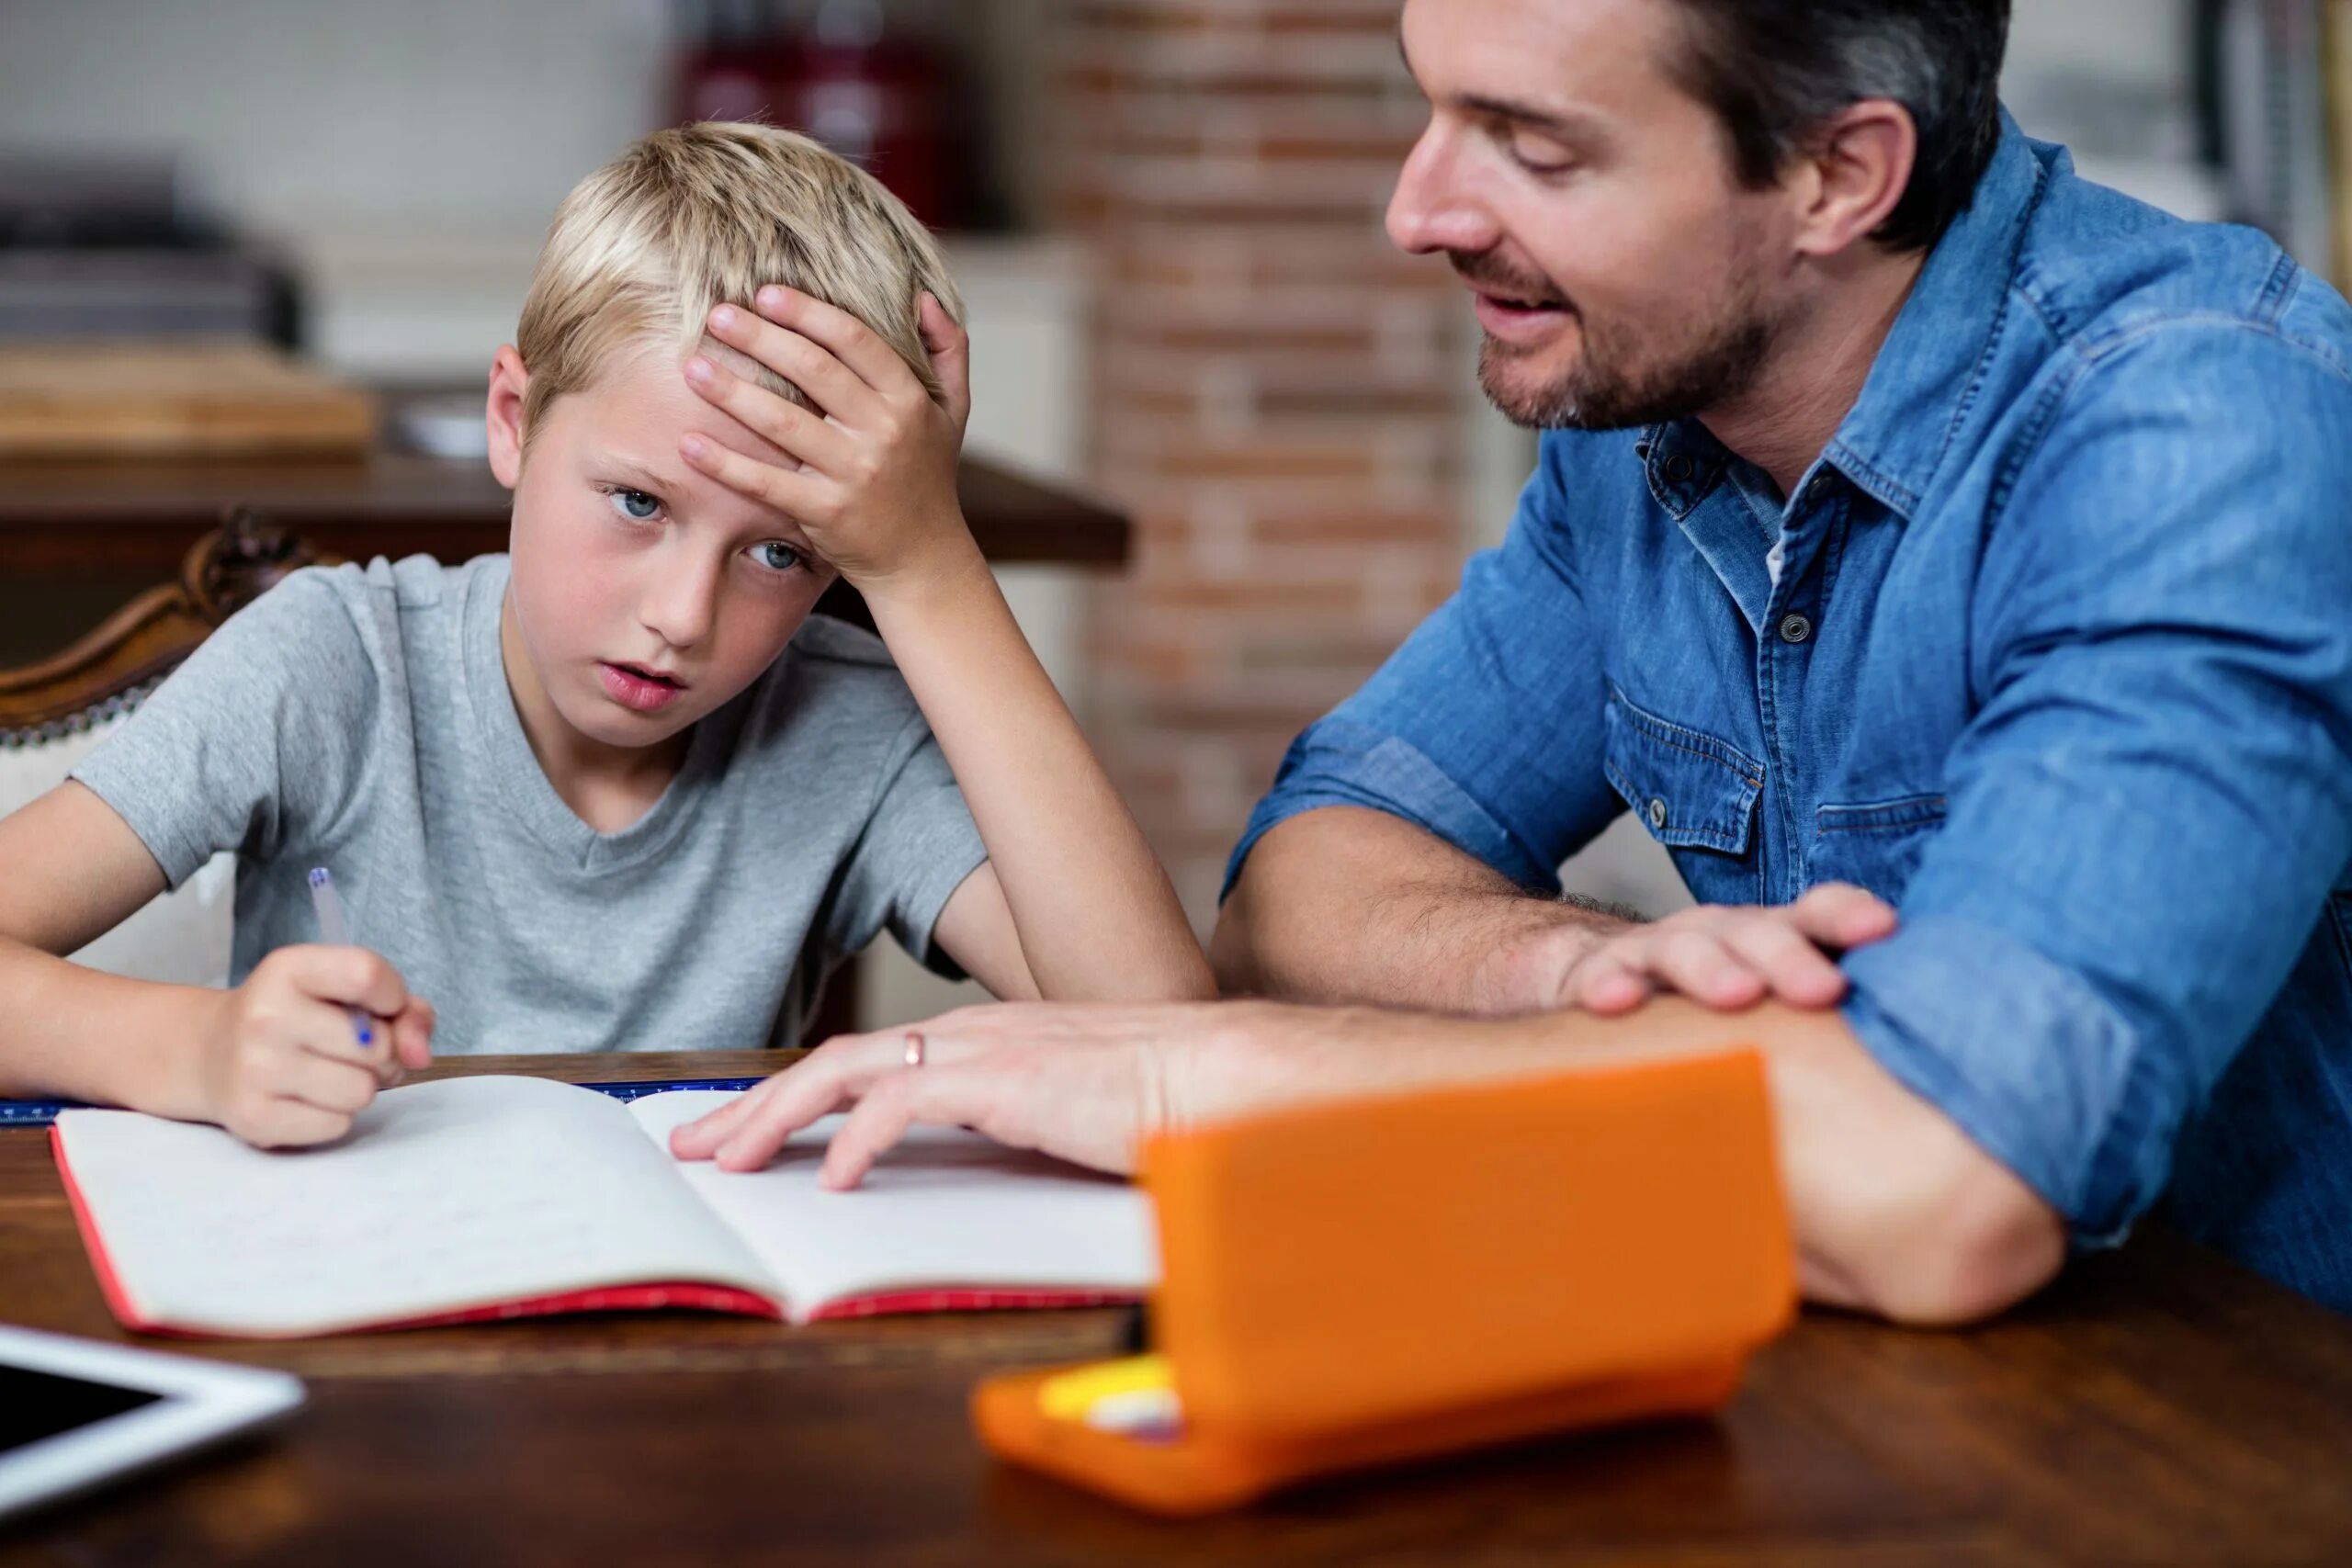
875	491
284	1066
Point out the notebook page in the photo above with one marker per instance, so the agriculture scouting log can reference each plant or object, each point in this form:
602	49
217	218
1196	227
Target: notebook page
946	1208
466	1192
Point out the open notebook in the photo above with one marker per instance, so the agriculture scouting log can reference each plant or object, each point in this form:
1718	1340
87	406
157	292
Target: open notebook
484	1198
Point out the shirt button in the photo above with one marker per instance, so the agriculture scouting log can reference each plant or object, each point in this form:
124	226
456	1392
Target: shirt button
1816	486
1795	628
1658	812
1677	467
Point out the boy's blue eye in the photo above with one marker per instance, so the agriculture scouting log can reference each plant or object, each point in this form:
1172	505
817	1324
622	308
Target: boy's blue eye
775	555
636	505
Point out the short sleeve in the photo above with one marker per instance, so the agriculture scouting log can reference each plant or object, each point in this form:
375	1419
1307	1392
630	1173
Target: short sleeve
256	741
1487	727
918	846
2149	808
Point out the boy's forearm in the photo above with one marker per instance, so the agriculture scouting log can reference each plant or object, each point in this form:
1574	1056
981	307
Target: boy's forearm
68	1031
1095	914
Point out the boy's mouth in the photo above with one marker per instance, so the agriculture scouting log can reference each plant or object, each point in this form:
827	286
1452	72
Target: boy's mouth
639	687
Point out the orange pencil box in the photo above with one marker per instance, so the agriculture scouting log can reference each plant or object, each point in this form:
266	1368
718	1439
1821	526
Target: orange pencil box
1365	1282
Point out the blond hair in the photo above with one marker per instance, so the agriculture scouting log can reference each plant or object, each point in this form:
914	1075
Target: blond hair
703	214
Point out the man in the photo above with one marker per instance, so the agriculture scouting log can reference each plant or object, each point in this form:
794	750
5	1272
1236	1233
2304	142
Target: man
1918	528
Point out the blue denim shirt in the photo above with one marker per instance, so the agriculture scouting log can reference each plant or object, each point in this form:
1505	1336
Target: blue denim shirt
2059	661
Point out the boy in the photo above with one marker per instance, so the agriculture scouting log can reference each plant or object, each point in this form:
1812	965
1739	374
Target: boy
613	790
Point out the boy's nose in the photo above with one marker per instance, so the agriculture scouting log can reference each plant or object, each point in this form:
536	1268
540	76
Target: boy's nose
682	601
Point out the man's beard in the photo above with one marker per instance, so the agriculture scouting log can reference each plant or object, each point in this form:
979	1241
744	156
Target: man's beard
1626	380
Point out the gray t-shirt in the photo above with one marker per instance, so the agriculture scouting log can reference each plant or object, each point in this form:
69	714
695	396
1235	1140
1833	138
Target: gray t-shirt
358	718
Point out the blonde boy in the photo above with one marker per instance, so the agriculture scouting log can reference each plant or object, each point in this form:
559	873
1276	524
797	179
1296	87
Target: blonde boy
614	790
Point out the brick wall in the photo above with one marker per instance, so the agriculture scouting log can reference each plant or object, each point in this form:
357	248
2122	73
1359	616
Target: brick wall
1278	392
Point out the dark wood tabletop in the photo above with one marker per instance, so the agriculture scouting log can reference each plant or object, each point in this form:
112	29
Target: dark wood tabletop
2157	1407
66	518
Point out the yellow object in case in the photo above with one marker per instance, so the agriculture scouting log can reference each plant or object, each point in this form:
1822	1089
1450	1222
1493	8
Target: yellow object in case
1368	1282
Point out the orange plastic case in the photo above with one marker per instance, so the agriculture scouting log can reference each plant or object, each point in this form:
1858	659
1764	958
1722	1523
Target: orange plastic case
1369	1282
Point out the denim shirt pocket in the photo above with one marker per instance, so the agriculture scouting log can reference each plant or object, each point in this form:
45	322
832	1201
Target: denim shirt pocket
1875	845
1690	790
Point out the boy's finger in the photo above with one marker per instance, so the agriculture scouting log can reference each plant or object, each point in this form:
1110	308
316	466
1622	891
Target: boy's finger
796	494
808	437
950	347
853	343
290	1123
341	1087
352	977
836	389
325	1028
412	1034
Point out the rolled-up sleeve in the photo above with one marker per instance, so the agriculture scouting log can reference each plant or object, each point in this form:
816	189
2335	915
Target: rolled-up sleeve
1485	728
2155	795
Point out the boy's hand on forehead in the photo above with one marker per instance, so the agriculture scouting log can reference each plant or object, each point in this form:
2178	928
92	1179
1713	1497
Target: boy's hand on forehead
876	489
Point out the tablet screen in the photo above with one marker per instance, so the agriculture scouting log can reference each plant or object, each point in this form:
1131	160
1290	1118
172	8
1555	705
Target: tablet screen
35	1405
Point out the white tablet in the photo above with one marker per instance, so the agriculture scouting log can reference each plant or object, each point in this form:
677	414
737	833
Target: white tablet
74	1413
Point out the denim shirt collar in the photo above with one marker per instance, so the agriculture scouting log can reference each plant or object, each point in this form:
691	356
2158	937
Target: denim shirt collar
1891	443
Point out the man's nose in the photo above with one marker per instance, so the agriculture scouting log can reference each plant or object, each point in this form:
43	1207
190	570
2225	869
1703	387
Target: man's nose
1433	209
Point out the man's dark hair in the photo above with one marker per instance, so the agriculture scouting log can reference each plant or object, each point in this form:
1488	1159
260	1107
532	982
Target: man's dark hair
1774	72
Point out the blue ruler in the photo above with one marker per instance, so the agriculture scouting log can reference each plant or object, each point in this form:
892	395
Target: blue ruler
41	1112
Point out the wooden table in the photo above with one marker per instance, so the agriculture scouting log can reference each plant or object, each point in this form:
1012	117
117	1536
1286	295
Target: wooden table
62	519
2158	1407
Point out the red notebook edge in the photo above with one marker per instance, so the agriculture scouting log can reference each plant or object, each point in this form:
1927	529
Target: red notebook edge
640	1297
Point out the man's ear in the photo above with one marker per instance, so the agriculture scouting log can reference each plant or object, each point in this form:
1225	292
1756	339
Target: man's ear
503	416
1854	174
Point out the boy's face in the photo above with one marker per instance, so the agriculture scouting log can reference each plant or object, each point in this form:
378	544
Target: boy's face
645	593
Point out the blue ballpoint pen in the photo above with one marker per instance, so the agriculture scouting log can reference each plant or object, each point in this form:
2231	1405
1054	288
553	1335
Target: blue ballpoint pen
336	932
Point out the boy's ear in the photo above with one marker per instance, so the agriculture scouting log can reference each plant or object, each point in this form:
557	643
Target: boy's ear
503	416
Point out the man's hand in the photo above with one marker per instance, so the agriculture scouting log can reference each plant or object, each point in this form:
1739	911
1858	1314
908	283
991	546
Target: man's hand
282	1065
1084	1083
1722	956
876	488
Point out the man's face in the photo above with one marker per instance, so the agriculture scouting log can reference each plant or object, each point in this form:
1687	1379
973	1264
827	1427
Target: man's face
646	594
1623	276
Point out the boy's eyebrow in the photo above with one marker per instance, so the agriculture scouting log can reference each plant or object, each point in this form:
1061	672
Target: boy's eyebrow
618	466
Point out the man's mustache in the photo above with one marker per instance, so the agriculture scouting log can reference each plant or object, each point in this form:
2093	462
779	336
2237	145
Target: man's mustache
1484	274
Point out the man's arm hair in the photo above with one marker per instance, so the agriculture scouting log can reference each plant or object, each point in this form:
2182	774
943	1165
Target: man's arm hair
1346	904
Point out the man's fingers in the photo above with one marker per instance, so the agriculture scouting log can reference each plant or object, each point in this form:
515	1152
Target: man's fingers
1605	983
850	341
1839	914
948	1097
700	1138
950	347
1700	967
1791	966
745	1135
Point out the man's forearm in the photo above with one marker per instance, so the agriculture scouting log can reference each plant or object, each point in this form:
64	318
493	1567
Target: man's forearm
1344	904
1896	1211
